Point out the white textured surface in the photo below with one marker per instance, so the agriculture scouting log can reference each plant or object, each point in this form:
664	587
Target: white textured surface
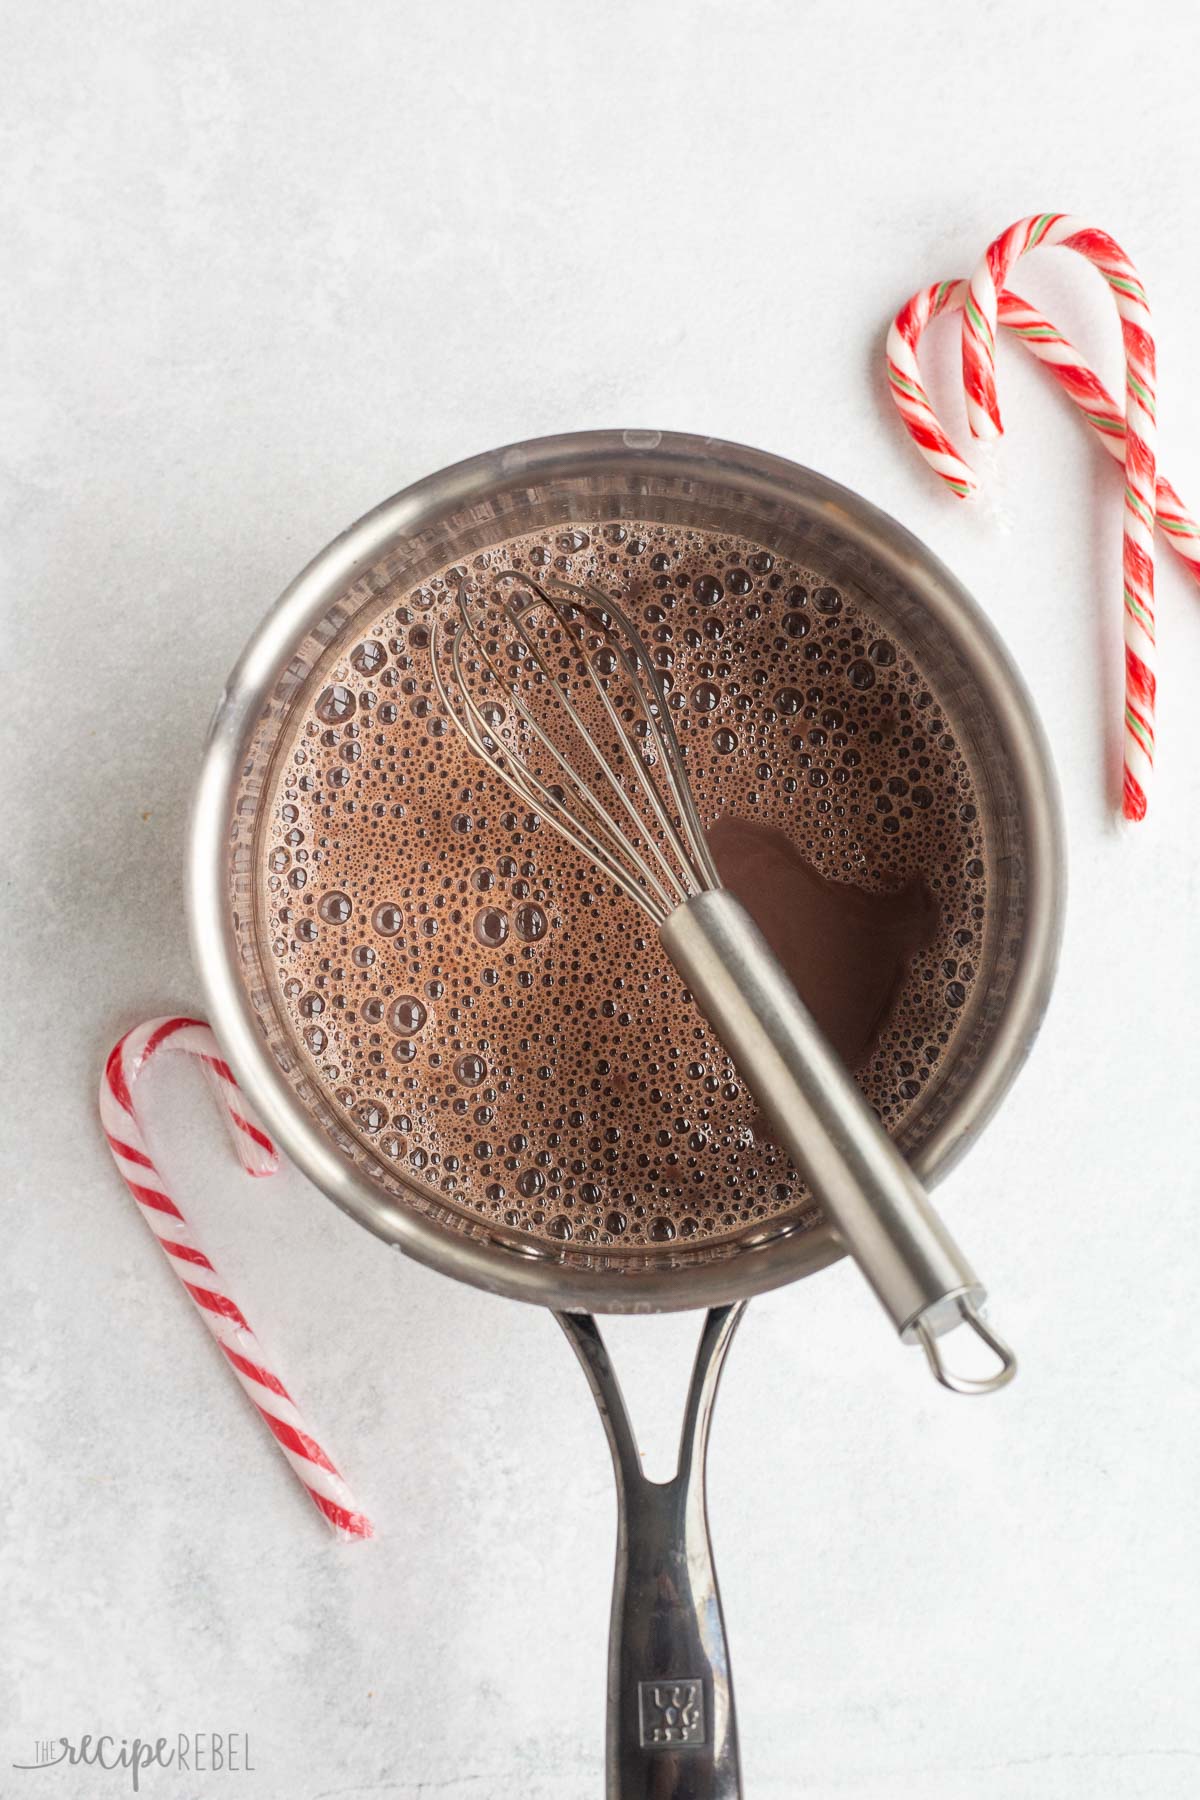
265	264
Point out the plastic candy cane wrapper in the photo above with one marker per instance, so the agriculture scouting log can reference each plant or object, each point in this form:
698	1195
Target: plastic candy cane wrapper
1129	436
195	1271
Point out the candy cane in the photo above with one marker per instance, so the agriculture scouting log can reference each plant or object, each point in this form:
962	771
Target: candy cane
195	1272
908	390
984	306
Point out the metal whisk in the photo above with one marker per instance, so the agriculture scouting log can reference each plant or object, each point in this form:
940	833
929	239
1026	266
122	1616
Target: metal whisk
553	688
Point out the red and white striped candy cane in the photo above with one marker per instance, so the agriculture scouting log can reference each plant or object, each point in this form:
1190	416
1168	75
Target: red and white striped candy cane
908	390
983	414
985	305
195	1271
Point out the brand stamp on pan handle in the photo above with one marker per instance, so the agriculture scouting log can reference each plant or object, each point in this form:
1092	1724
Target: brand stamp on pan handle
671	1713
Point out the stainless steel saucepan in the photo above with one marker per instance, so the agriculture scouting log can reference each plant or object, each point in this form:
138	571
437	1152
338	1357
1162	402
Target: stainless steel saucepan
671	1725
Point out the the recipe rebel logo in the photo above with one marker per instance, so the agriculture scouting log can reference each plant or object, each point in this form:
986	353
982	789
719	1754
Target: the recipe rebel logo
192	1753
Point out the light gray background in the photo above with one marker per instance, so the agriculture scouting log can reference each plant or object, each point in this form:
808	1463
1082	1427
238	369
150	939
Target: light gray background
265	264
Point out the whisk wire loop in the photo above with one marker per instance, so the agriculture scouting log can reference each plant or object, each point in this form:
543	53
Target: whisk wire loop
602	839
656	851
611	775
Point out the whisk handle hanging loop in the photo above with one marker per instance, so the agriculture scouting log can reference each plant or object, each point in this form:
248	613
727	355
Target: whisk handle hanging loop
873	1201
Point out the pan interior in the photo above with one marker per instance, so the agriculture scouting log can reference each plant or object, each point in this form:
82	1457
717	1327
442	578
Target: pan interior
585	528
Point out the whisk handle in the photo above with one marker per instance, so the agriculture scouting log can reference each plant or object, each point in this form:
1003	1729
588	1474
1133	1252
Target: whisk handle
873	1200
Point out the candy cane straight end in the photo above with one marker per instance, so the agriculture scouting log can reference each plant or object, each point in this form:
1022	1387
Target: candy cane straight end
1133	800
195	1272
354	1527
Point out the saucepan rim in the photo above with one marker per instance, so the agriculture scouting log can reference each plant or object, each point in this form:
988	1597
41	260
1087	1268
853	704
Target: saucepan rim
538	1276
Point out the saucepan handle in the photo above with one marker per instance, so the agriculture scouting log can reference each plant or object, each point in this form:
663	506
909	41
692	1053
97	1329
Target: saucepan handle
672	1730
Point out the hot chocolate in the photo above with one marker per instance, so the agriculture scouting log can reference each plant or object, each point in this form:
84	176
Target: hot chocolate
493	1019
